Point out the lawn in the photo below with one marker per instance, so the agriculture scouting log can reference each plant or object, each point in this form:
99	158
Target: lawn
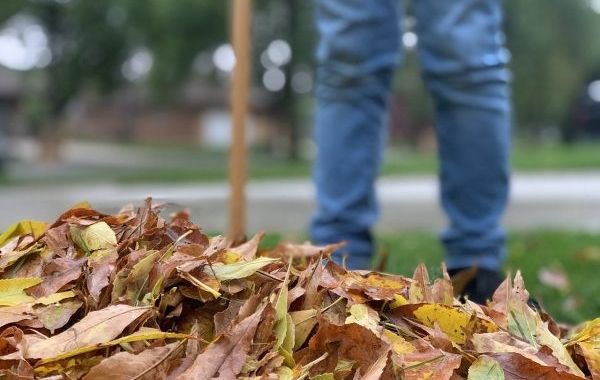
575	254
158	163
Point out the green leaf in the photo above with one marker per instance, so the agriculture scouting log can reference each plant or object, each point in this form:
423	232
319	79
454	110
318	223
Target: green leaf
362	315
323	376
12	290
281	311
285	373
138	277
288	342
238	270
92	238
485	368
24	227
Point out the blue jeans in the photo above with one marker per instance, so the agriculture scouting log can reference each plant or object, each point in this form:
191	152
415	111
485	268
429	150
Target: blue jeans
463	61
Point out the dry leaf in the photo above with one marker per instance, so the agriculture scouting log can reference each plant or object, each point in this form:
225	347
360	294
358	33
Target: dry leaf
239	313
97	327
150	364
554	278
243	269
485	368
224	358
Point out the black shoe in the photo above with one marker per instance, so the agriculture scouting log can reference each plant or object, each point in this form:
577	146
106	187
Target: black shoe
476	284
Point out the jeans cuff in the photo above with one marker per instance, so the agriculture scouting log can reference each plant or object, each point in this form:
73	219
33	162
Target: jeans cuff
488	260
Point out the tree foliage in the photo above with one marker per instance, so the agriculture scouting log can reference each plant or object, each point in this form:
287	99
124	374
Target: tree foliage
553	43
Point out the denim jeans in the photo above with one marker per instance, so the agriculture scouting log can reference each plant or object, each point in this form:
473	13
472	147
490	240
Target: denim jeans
463	61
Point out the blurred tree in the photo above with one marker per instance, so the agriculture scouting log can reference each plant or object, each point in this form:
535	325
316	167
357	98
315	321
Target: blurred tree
553	44
553	47
292	22
175	32
86	51
90	41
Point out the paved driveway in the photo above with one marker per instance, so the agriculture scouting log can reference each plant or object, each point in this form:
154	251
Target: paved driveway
539	200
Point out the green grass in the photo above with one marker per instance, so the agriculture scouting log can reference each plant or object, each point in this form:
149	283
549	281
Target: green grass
525	157
577	254
189	164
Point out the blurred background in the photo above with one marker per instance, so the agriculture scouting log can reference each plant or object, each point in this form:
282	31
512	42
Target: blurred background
111	101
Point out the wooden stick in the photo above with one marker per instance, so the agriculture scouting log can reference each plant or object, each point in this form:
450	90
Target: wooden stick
240	35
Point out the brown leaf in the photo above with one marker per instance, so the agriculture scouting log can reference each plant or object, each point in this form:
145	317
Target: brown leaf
102	264
248	250
57	274
419	291
518	367
224	318
57	241
225	358
376	286
13	314
427	364
55	316
442	291
376	369
352	342
150	364
305	250
97	327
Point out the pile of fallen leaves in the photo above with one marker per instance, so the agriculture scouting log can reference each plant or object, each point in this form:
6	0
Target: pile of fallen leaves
135	296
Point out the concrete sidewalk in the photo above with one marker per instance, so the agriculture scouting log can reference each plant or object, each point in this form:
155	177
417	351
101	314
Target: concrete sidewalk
566	200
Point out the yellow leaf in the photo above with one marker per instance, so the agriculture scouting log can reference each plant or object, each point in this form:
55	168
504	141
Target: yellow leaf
99	236
82	204
485	368
450	320
12	290
364	316
194	281
54	298
589	332
399	344
238	270
398	301
231	257
24	227
588	340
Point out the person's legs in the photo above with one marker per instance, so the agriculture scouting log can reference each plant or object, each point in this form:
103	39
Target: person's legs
464	64
357	53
